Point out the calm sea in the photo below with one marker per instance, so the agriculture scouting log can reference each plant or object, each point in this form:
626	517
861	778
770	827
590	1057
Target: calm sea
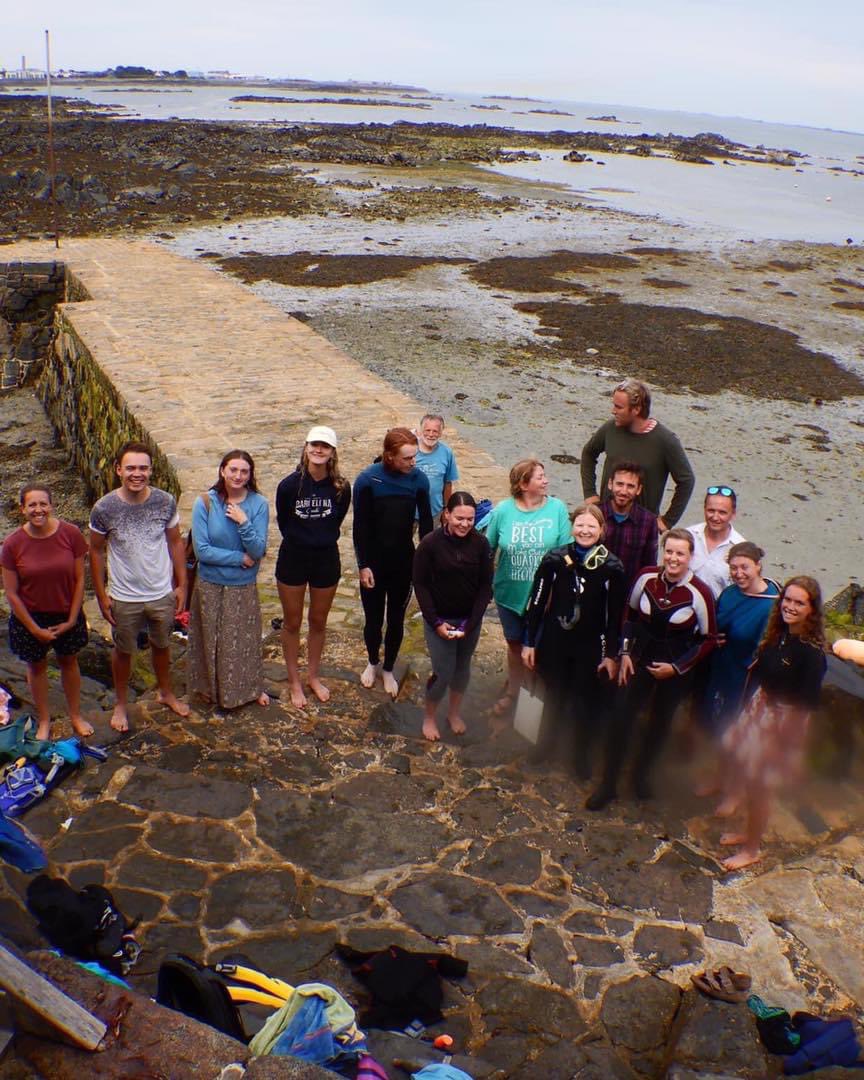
820	200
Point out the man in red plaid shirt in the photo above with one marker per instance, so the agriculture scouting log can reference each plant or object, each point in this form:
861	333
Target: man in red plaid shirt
631	530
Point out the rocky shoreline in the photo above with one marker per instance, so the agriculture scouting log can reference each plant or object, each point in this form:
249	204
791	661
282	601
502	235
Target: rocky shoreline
177	172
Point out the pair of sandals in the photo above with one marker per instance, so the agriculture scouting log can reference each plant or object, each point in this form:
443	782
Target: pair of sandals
723	984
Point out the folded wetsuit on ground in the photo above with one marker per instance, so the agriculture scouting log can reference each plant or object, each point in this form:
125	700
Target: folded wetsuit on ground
405	986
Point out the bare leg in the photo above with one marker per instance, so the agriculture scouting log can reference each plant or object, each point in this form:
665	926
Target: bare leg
121	666
515	668
731	787
320	602
165	694
430	721
37	680
70	676
454	718
758	811
292	597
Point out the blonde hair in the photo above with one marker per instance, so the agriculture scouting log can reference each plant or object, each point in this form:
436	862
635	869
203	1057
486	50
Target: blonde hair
595	512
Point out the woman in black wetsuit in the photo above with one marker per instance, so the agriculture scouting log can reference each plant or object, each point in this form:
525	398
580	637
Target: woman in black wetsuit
766	744
573	620
388	496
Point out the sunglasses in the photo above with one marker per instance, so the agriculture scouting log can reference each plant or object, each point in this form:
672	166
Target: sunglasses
721	489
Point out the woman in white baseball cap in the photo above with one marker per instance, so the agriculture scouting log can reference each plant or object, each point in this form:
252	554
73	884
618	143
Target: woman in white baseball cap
311	504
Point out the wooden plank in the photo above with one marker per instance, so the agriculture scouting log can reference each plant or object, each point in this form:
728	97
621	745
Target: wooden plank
43	997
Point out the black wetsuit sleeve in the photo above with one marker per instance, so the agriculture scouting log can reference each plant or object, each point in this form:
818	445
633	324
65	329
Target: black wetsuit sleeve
423	576
544	579
591	452
484	586
424	508
616	598
363	509
286	500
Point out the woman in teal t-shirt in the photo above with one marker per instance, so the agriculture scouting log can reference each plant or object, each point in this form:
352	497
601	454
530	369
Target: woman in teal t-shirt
521	530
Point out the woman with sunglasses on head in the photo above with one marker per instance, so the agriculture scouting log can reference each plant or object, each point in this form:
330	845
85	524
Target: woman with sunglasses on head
766	744
43	578
453	583
229	534
669	628
573	620
311	504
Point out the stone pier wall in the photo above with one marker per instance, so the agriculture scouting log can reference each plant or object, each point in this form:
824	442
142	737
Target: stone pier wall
89	412
29	292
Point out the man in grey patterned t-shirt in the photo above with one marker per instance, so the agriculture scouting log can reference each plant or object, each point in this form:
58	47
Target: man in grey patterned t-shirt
138	528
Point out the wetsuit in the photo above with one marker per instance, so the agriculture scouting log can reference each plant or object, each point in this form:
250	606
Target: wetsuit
574	617
385	506
665	622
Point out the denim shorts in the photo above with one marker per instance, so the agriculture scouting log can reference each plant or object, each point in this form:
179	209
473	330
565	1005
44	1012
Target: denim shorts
512	624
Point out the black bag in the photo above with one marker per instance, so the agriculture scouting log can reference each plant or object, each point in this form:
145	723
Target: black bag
86	925
197	991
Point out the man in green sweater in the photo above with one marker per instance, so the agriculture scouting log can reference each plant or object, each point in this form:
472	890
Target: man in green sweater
634	435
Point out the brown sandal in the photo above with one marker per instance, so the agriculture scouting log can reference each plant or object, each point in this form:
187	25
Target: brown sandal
724	984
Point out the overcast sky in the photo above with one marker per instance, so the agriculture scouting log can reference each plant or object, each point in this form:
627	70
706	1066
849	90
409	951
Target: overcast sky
787	60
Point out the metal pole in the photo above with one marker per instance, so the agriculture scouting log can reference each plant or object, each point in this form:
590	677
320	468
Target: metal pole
51	166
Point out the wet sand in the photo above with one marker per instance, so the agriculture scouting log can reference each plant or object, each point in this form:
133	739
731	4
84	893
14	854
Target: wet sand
754	364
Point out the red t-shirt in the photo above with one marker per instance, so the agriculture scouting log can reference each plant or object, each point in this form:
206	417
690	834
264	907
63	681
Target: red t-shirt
45	567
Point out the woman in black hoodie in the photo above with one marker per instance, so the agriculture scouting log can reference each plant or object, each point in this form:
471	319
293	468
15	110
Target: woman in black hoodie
453	569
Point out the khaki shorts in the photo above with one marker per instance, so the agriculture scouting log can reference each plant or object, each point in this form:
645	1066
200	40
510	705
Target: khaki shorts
133	616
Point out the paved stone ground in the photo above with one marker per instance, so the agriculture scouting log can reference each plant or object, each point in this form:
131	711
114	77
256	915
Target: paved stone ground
277	833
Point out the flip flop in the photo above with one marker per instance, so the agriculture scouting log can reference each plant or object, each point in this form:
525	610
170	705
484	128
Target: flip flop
724	984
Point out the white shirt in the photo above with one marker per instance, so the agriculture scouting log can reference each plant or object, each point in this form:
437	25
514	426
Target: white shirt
711	566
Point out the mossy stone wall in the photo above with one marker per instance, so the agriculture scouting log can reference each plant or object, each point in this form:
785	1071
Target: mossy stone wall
87	411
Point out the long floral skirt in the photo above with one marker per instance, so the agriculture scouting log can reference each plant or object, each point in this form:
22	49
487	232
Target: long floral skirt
768	741
223	659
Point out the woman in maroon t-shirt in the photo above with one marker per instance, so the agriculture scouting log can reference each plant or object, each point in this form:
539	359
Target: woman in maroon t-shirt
43	576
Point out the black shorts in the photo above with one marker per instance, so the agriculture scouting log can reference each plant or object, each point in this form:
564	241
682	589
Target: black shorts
32	650
319	568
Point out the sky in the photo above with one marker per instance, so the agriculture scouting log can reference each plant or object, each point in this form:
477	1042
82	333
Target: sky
789	61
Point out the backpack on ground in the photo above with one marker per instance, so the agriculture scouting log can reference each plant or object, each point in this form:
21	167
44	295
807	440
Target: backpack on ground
24	781
197	991
231	995
85	924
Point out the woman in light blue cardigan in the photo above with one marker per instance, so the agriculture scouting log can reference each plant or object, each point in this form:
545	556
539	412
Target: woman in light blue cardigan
229	534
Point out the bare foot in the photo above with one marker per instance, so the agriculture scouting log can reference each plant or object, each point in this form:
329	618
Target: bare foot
319	689
742	859
119	719
370	674
170	701
298	698
504	705
81	727
727	807
43	731
457	724
430	729
733	839
263	699
391	687
706	788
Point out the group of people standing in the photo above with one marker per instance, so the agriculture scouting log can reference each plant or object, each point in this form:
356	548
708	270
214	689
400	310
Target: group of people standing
584	601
